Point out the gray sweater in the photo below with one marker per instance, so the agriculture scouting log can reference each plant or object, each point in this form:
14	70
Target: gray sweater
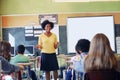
8	68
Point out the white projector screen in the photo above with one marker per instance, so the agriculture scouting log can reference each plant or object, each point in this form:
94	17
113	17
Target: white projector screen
87	27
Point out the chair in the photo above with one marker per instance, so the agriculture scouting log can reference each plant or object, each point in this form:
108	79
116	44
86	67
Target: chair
26	68
40	74
34	63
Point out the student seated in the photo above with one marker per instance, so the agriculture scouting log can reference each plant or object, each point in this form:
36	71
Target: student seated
7	68
101	63
82	48
21	58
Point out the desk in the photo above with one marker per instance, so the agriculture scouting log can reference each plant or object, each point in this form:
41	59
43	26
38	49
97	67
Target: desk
27	66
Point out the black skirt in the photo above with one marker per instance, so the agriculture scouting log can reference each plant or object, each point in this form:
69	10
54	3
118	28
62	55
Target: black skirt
49	62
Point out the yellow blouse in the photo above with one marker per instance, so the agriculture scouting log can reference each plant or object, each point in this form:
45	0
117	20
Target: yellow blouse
47	43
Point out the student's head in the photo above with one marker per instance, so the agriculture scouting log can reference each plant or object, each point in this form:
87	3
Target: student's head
47	24
20	49
82	46
5	49
100	55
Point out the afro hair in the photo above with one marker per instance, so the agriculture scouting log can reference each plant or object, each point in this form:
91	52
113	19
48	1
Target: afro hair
44	23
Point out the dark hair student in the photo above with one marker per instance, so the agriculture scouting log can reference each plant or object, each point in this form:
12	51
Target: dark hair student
5	49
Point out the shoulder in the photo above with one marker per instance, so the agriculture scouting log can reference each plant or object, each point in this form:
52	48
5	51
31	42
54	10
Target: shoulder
84	54
76	58
42	34
53	34
25	56
16	56
2	58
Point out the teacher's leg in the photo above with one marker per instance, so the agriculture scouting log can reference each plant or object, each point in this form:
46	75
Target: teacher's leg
55	73
47	75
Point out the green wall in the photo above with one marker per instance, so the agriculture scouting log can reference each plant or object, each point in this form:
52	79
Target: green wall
11	7
8	7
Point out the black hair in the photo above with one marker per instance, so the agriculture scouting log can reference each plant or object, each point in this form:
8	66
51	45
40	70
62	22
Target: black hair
21	49
44	23
82	45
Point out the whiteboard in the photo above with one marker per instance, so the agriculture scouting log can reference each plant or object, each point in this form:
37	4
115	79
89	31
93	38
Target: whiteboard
87	27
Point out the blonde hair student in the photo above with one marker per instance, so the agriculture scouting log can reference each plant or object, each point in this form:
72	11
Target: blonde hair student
101	60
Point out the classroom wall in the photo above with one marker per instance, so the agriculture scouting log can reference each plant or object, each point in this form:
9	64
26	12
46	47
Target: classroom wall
11	11
19	21
9	7
25	20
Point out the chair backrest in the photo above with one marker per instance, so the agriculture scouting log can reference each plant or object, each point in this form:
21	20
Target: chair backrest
26	68
26	65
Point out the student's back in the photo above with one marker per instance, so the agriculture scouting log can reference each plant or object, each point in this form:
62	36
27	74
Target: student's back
21	58
103	75
7	67
101	63
78	62
5	57
82	48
